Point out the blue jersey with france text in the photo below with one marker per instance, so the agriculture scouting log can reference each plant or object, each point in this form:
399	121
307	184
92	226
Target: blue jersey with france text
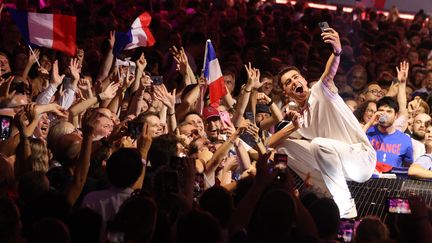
392	149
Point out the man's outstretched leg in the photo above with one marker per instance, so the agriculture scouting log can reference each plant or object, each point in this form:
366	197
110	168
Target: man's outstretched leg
339	162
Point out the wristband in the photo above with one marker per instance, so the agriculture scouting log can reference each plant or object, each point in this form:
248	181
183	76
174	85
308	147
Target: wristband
247	91
270	103
99	98
337	53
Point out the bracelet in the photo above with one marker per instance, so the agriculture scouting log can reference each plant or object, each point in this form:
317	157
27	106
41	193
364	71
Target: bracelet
99	98
337	53
270	103
247	91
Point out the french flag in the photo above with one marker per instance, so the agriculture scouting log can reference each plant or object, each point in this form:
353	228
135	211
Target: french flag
213	74
138	35
54	31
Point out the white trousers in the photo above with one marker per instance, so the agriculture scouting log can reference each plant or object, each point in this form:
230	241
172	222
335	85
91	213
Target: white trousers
330	163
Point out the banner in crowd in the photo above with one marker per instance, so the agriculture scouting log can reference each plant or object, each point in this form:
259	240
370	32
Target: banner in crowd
213	74
54	31
138	35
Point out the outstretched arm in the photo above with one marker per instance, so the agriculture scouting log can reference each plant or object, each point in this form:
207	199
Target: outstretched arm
332	37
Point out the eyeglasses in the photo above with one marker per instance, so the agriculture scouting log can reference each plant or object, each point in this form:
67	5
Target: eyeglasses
369	111
377	92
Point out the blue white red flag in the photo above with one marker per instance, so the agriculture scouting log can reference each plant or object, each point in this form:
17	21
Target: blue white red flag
138	35
213	75
54	31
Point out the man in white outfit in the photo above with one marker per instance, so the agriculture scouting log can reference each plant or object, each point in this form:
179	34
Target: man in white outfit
334	148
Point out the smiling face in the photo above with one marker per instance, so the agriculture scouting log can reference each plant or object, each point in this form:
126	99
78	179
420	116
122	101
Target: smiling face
420	123
42	128
295	86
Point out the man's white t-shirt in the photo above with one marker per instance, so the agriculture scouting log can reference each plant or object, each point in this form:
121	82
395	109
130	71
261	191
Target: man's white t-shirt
328	116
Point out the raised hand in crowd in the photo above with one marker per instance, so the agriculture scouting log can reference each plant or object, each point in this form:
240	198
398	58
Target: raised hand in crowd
180	57
402	72
56	78
161	93
253	81
5	85
75	71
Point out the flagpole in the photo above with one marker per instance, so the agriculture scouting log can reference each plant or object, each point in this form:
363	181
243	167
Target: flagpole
205	56
37	61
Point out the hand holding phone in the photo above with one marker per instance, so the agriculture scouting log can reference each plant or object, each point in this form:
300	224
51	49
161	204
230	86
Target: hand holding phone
5	127
323	26
157	80
398	205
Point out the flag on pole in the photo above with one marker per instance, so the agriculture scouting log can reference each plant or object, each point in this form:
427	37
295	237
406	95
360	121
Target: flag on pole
138	35
54	31
213	75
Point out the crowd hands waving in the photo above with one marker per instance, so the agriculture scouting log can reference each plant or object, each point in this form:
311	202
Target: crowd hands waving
134	147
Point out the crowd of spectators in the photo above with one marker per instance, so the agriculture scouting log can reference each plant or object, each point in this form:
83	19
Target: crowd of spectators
98	148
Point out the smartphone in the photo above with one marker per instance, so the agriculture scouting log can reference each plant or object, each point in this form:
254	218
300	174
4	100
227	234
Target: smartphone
323	26
134	129
346	229
398	205
249	115
157	80
5	127
225	117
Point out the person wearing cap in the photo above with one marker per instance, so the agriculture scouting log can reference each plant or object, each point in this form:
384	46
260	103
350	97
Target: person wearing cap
212	123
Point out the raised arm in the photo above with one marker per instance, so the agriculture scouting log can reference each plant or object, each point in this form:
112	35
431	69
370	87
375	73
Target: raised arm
252	83
83	163
143	145
222	151
107	94
276	114
108	60
141	64
402	75
168	99
284	133
332	37
56	80
183	65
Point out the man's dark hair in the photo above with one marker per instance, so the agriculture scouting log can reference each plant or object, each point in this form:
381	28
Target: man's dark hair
143	116
85	225
162	149
124	167
325	213
388	101
219	202
198	226
285	70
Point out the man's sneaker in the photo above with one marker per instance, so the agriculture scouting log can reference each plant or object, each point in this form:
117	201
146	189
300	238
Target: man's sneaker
351	212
